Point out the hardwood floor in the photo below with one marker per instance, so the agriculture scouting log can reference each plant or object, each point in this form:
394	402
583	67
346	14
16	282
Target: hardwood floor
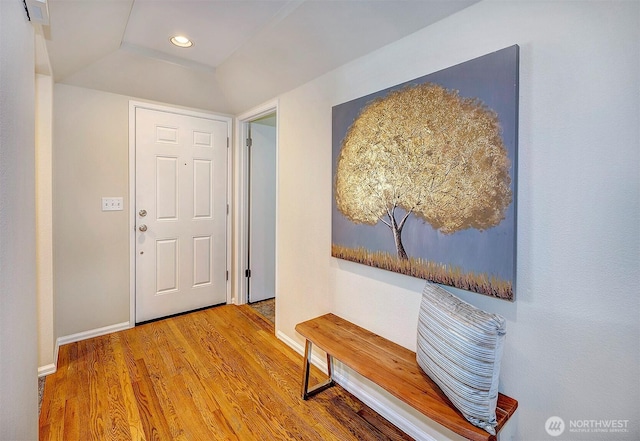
217	374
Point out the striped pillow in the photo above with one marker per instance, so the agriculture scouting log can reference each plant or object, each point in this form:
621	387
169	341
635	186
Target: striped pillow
460	347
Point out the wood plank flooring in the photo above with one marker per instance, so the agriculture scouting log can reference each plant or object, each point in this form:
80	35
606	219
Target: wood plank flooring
216	374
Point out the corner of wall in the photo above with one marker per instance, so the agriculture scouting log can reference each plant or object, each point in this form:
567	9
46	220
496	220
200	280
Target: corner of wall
44	221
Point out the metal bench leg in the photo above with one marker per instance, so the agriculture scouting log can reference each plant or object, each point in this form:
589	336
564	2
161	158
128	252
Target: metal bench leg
306	367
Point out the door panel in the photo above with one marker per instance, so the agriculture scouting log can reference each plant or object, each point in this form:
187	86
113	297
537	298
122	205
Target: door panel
202	260
166	265
202	170
181	178
167	188
262	206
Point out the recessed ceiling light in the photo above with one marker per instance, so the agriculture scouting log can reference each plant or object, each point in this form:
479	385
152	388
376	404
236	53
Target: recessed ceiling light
181	41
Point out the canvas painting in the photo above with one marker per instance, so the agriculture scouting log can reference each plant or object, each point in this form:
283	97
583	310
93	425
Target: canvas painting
424	176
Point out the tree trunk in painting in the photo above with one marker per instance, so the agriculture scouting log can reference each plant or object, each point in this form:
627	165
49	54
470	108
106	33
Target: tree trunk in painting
397	235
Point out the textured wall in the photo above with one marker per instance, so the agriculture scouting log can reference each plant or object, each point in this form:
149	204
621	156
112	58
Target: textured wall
18	331
572	344
90	246
44	221
572	335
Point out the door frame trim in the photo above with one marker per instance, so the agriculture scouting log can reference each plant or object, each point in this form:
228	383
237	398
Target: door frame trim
133	105
241	201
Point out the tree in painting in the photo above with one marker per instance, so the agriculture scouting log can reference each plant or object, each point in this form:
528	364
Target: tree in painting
430	152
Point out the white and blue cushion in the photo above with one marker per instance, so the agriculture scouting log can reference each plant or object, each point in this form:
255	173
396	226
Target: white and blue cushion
460	348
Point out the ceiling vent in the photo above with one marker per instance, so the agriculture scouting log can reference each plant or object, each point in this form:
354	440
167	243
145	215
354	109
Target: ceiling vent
37	11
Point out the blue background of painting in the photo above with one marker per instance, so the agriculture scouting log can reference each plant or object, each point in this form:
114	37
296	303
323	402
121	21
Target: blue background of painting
493	79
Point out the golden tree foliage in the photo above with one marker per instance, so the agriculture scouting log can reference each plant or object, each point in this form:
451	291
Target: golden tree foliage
429	151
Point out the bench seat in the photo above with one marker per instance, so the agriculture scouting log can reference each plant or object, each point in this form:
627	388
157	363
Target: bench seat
392	367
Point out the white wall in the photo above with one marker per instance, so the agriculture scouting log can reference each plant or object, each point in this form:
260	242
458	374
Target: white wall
90	247
572	345
44	223
127	73
18	334
573	332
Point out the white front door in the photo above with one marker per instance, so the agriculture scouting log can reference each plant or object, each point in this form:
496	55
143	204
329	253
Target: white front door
181	213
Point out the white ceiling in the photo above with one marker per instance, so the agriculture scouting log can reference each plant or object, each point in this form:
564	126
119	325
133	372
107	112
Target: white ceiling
245	51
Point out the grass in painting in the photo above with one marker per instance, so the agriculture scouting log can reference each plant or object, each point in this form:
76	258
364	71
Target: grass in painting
428	270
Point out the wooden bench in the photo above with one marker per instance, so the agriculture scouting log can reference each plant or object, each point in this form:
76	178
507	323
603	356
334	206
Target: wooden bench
390	366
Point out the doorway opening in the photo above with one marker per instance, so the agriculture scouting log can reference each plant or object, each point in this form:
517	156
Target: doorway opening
256	259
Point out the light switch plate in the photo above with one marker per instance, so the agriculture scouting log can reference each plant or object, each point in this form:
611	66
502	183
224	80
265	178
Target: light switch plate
112	204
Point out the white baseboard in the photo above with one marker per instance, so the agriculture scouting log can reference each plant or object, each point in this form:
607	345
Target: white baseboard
92	333
293	344
56	350
399	414
61	341
290	342
48	369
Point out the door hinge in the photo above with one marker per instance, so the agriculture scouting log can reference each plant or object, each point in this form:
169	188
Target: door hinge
227	276
249	142
227	209
227	142
247	273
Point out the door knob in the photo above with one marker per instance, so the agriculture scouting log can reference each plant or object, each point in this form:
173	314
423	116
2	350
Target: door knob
142	228
142	213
